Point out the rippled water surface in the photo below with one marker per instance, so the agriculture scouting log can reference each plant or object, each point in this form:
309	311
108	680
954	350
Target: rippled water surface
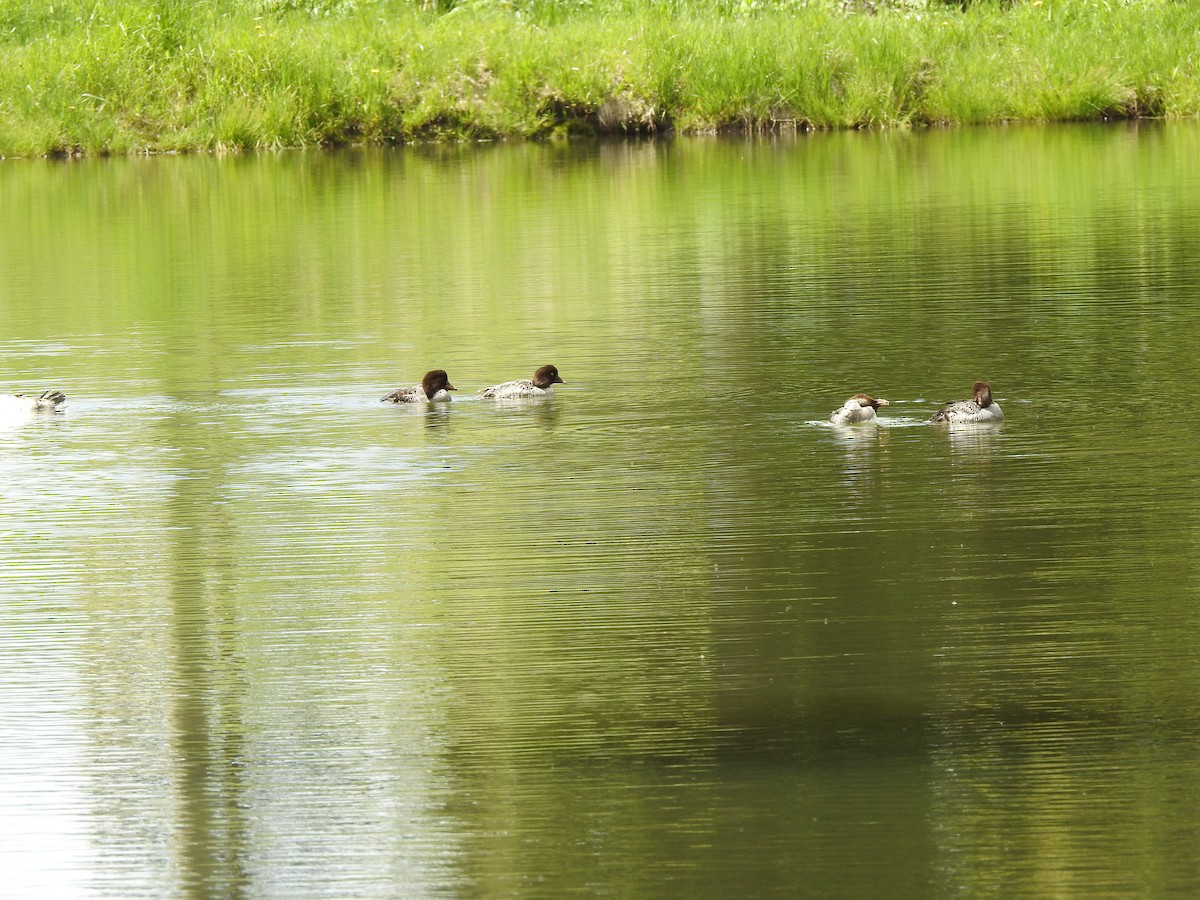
666	634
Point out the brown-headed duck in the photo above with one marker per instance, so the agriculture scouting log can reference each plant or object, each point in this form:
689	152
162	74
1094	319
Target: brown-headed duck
542	385
980	408
859	408
434	388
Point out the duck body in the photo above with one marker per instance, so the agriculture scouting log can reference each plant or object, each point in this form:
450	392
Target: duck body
981	408
859	408
50	401
435	387
542	385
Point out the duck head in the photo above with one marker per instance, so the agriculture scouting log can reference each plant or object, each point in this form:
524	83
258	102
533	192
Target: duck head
436	380
868	400
546	376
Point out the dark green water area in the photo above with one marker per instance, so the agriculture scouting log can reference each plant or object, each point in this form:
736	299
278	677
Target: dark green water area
665	634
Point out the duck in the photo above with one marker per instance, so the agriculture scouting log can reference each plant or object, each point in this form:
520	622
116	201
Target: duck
434	388
542	385
859	408
980	408
50	401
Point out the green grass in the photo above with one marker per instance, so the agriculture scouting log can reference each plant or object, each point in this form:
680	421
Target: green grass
122	76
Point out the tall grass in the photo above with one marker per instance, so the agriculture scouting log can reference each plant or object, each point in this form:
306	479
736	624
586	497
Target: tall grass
120	76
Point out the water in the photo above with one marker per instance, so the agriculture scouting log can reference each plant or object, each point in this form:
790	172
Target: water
665	635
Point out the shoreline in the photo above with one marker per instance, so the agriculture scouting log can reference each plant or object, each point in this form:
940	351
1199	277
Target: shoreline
132	80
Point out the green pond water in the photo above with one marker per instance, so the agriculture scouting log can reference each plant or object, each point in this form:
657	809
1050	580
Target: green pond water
667	634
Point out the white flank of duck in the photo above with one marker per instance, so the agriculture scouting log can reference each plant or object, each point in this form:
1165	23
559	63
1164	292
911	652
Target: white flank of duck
50	401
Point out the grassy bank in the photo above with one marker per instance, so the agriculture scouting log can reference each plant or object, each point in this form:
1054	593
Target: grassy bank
122	76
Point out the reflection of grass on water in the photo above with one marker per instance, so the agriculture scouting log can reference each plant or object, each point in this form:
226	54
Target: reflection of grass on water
128	75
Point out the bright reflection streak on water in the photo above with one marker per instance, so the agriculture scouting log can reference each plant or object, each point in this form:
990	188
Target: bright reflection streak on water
667	634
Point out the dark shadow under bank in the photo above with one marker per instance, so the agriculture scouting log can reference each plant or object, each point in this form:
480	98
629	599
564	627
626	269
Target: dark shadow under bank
620	117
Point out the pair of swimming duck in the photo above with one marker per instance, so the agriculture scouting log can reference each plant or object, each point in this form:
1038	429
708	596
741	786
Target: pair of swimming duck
979	409
435	387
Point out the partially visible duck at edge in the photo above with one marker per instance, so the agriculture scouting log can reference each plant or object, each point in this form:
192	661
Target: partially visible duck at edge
542	385
50	401
980	408
859	408
435	387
